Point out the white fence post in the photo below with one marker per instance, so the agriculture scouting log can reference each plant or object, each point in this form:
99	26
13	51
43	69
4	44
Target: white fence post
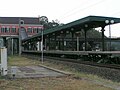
3	61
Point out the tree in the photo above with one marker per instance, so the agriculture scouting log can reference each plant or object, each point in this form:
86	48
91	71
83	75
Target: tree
94	34
47	25
44	21
53	24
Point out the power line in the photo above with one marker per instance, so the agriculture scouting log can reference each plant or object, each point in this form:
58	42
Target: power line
73	9
82	9
116	13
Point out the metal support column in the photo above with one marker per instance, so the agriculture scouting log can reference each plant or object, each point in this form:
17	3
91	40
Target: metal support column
103	41
59	42
55	42
85	39
48	46
63	42
72	41
12	46
77	43
62	37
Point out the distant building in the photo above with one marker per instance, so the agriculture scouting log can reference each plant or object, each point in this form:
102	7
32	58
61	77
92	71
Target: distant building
9	30
9	26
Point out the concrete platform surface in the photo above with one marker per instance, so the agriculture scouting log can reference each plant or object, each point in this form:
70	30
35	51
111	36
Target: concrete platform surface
33	72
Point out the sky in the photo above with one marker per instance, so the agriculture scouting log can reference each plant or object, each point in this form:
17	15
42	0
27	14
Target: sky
63	10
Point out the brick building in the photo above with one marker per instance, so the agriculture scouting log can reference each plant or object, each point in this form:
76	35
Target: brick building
9	30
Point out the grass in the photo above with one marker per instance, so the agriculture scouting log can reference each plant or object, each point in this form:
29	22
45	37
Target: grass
65	83
79	81
89	77
21	61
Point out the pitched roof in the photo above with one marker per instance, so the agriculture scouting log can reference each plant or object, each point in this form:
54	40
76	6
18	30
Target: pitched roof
15	20
91	21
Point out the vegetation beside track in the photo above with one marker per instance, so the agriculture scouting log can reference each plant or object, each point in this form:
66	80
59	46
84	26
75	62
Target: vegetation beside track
78	81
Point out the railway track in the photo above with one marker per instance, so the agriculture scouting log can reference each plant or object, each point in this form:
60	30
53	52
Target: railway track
112	66
93	58
107	71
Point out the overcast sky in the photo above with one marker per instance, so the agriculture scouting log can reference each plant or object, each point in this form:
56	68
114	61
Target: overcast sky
64	10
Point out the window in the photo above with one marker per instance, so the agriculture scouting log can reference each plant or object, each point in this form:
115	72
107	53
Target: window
13	30
29	30
7	29
39	30
35	30
2	29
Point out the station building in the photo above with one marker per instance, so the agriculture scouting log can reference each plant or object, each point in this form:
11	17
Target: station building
9	30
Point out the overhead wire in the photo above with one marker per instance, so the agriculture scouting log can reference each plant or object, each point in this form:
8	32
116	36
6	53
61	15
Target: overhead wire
73	9
82	9
116	13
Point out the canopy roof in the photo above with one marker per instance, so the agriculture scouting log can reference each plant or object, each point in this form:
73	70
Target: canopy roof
84	23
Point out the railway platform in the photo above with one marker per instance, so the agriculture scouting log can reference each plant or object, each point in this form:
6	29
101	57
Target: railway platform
34	72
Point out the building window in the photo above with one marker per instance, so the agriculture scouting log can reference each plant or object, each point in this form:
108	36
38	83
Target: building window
39	30
35	30
13	30
7	29
29	30
2	29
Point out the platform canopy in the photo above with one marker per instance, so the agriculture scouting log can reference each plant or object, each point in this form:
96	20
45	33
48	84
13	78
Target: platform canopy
84	23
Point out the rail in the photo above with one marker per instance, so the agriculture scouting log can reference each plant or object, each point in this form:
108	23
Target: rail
112	66
106	57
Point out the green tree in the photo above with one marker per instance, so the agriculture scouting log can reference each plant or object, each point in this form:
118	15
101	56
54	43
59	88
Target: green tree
44	21
47	25
92	33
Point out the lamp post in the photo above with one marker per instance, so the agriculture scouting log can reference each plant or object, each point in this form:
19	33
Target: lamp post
109	22
42	46
19	37
41	41
21	24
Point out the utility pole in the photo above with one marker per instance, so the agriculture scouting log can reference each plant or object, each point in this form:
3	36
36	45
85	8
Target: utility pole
42	46
109	22
41	41
21	23
19	37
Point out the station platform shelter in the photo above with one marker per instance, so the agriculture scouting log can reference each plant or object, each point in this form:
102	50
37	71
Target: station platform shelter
68	36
